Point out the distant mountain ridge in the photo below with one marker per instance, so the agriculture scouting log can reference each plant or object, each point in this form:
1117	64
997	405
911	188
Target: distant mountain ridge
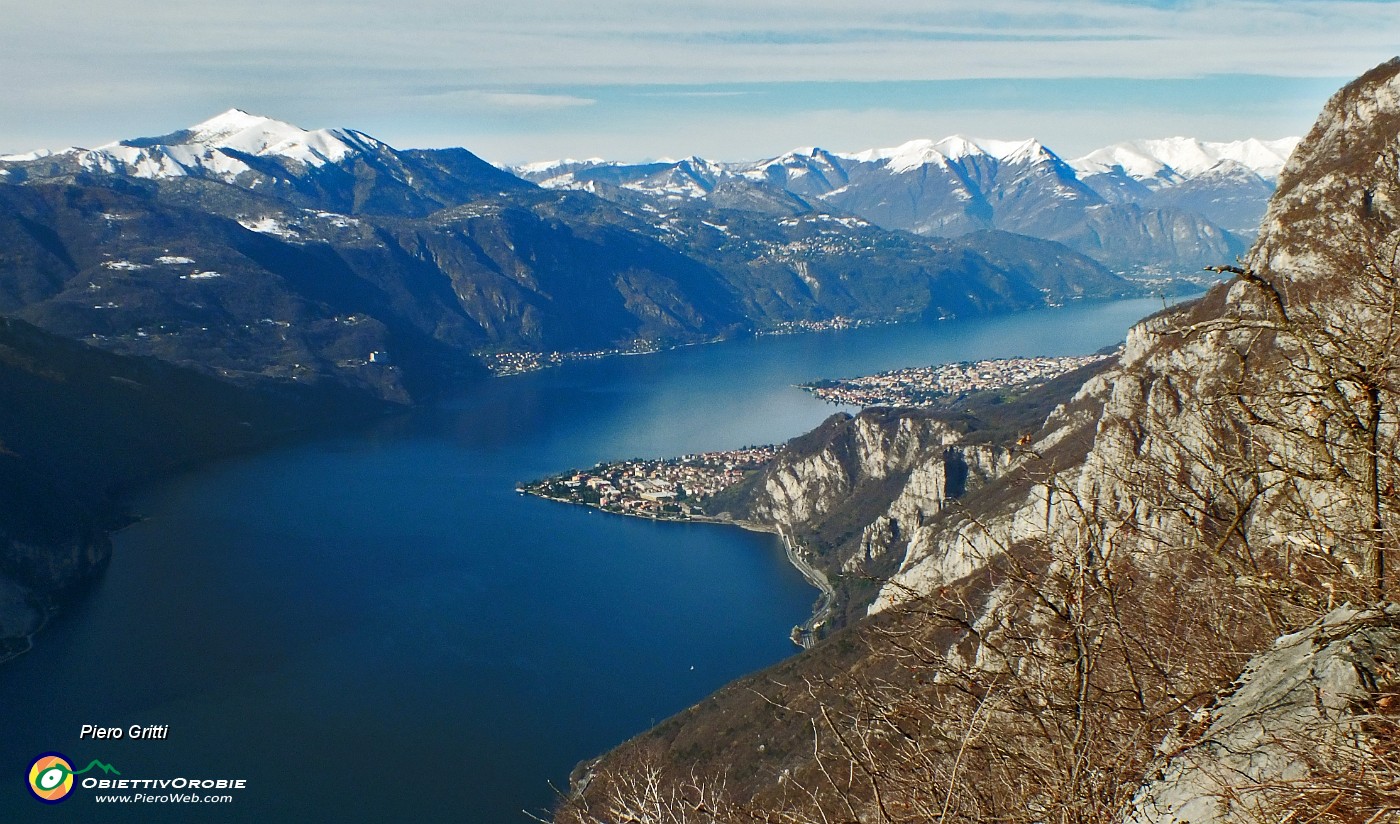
1173	158
1168	205
1176	203
256	249
1177	158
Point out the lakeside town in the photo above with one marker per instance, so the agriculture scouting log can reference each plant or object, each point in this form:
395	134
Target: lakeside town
667	489
930	385
832	324
501	364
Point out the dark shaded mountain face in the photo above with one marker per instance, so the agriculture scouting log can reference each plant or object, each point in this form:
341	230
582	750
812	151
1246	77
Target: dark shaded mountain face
1122	206
396	306
78	422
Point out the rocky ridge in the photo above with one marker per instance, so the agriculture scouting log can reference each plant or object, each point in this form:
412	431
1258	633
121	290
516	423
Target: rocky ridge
853	494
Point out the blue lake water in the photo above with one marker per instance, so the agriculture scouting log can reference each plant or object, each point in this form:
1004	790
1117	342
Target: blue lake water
373	626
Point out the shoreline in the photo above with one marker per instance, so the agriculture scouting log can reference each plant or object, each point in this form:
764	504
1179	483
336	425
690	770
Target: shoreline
805	634
508	364
499	366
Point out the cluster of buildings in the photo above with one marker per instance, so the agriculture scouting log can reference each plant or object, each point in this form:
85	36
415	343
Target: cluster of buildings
501	364
830	324
673	488
927	385
517	363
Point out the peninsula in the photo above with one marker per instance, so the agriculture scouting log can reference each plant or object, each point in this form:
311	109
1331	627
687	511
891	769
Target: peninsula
679	489
673	489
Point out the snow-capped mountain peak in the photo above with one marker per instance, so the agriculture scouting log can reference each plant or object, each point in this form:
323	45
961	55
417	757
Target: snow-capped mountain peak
1023	151
802	157
1266	157
956	147
698	163
217	147
1174	158
1227	168
923	152
902	158
566	163
1137	163
37	154
236	126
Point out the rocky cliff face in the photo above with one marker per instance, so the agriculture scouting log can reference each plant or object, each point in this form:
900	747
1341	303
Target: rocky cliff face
52	546
1239	414
1319	700
895	501
854	493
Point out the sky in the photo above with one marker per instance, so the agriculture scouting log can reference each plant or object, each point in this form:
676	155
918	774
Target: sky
522	80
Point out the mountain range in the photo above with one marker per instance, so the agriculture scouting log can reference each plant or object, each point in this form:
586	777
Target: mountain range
254	249
1172	205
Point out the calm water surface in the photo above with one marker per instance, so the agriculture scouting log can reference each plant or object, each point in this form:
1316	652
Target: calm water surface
375	627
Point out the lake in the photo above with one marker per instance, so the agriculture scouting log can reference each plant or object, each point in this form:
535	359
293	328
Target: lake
374	626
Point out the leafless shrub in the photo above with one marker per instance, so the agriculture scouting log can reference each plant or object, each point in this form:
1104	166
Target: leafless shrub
644	793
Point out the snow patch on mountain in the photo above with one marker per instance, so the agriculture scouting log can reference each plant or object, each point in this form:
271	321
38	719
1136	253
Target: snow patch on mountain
269	226
540	167
38	154
905	157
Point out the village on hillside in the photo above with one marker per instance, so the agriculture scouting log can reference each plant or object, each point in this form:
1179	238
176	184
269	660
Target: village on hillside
929	385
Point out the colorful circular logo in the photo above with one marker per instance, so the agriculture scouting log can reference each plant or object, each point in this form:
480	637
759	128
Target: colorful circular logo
51	777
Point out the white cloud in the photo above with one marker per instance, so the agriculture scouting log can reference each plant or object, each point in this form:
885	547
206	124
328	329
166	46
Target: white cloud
692	94
473	99
552	42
